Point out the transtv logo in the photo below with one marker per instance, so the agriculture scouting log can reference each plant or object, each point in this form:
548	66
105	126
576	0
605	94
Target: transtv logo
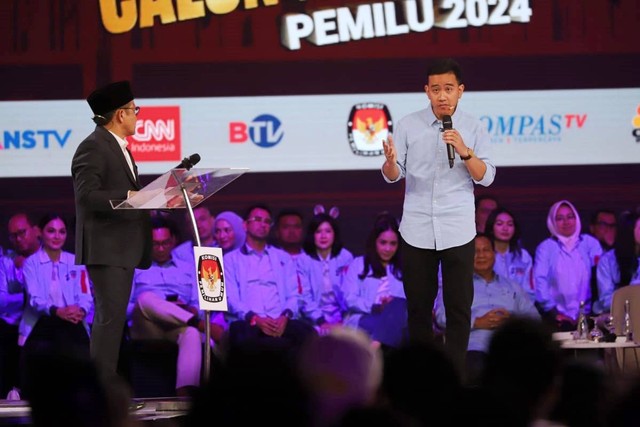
369	124
157	137
264	131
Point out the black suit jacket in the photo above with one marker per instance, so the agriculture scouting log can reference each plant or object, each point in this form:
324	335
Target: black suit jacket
105	236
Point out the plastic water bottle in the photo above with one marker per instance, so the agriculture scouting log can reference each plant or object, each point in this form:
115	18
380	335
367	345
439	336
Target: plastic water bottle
582	330
626	330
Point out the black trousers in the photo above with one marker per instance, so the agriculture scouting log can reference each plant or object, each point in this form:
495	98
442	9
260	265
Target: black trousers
9	357
112	290
420	277
51	337
243	336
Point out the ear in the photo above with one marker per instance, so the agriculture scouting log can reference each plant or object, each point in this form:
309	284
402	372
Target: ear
334	212
318	209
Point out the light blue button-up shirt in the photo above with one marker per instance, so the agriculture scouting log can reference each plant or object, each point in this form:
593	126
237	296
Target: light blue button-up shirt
311	270
361	294
439	211
563	278
11	289
501	292
608	273
174	277
517	268
73	280
265	283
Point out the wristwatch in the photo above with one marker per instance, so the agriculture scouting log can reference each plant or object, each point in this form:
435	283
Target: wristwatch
469	155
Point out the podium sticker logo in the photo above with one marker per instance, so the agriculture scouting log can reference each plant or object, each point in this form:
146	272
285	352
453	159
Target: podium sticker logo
369	124
157	137
210	278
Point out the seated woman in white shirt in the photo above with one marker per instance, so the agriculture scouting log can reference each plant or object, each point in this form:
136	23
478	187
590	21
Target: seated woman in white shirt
321	270
512	260
373	286
562	267
58	298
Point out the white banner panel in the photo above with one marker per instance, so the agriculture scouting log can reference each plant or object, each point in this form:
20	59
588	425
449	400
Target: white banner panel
325	132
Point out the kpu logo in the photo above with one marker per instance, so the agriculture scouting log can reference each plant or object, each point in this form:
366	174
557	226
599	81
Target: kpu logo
157	136
265	131
210	278
29	139
636	125
369	124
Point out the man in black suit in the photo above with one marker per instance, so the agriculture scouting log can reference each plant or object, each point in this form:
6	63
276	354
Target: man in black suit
111	243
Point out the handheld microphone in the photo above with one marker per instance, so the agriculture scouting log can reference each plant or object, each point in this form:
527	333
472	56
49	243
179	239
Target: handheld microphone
189	162
447	123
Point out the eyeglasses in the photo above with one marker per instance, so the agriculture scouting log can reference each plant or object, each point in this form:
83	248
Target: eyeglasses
260	219
606	224
135	109
163	243
20	234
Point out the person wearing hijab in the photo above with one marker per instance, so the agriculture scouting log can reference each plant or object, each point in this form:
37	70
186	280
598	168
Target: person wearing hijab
562	267
229	231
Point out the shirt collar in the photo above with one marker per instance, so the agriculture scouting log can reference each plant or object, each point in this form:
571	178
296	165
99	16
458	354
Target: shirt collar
121	142
248	250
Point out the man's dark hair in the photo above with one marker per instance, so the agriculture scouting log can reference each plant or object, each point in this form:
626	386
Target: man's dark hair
262	206
288	212
594	216
104	119
444	66
482	197
160	222
489	237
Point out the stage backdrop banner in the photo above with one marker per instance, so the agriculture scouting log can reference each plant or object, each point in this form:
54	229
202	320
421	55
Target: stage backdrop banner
325	132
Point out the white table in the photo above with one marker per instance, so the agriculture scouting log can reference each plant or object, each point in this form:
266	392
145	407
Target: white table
621	346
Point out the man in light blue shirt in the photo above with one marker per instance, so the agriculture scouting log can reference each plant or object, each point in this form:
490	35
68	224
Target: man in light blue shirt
496	298
438	220
262	289
24	236
164	305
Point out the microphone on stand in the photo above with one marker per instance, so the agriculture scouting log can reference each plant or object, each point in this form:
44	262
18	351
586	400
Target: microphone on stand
189	162
447	123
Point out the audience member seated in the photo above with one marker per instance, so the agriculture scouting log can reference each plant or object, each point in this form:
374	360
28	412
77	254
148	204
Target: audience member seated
288	231
228	230
24	236
373	286
495	299
58	298
341	371
521	380
164	305
421	383
512	260
252	387
323	266
66	391
620	267
603	227
204	222
484	205
562	267
262	290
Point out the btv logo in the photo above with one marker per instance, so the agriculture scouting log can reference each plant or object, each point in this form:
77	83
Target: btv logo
264	131
157	137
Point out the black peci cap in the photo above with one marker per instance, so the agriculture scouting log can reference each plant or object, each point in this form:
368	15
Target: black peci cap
110	97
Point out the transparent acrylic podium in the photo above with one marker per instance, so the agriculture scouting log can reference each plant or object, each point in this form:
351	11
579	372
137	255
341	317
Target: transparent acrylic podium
184	189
